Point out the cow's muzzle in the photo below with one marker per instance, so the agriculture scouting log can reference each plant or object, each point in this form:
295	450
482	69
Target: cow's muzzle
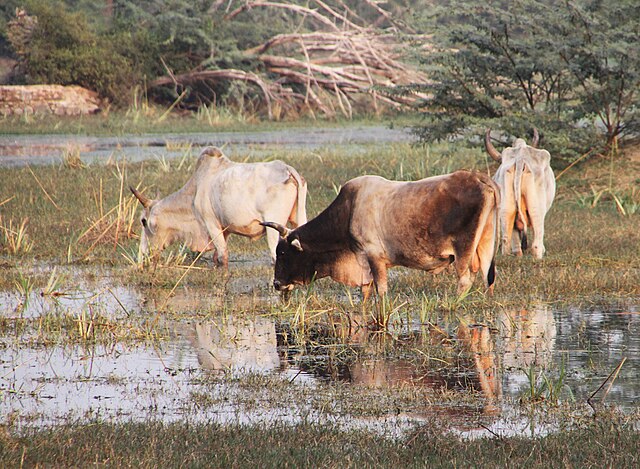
279	286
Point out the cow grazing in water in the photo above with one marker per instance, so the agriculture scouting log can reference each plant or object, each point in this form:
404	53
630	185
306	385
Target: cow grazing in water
374	224
527	186
223	197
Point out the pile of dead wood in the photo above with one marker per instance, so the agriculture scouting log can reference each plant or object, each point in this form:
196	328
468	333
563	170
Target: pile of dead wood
339	61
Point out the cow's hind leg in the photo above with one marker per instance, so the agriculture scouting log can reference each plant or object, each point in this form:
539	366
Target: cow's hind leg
486	256
509	235
537	226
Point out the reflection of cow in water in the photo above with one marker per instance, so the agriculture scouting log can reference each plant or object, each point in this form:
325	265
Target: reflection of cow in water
237	345
528	337
477	370
478	343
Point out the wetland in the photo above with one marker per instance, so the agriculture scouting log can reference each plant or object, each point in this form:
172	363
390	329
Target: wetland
182	351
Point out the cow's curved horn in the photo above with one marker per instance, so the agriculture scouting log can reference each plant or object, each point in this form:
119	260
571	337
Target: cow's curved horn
493	153
536	138
144	200
283	230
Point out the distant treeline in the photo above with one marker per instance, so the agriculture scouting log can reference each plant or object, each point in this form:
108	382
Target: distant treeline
569	68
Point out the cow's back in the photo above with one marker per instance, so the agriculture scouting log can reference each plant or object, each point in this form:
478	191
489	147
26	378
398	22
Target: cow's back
417	223
242	193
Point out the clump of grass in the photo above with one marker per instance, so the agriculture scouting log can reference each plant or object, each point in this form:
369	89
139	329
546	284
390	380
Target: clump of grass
53	288
216	116
15	238
115	224
87	325
545	388
626	203
24	286
71	157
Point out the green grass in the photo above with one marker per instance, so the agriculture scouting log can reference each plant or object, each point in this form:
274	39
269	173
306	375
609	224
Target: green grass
603	443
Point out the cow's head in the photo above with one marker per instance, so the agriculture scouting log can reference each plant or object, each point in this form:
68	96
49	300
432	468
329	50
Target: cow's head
165	221
152	236
496	155
293	264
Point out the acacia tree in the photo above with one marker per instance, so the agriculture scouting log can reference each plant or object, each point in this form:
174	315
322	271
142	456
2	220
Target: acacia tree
601	53
516	64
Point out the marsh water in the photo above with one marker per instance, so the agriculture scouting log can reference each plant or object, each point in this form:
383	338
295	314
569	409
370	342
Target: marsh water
18	150
45	383
198	366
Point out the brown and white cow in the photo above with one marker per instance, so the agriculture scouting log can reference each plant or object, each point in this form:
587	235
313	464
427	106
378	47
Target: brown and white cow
374	224
224	197
527	186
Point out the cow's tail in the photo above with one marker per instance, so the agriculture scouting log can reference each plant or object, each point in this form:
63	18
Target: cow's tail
301	201
491	274
521	219
485	246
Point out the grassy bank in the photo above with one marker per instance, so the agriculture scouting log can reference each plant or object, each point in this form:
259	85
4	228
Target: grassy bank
606	443
154	120
73	214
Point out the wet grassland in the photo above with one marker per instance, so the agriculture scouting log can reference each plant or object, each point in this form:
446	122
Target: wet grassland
183	363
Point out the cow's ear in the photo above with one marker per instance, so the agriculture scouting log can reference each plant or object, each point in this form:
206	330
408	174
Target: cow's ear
296	244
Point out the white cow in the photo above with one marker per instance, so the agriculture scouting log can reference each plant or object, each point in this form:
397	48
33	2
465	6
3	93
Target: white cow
220	198
528	187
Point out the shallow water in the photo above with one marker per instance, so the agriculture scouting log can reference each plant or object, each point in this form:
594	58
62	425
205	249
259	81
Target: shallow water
167	379
19	150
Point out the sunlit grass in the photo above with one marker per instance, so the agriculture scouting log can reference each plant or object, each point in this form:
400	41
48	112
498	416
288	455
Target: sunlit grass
14	237
71	157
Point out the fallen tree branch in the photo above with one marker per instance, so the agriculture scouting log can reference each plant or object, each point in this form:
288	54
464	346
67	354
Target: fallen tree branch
227	74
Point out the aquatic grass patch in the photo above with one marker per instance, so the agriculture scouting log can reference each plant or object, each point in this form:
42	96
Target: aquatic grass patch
546	388
86	326
71	157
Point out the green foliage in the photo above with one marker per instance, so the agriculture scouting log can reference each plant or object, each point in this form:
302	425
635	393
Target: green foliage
63	49
570	70
7	11
600	51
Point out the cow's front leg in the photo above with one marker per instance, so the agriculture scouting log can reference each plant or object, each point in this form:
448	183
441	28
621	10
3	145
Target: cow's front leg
379	272
465	280
465	275
366	290
219	239
272	241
